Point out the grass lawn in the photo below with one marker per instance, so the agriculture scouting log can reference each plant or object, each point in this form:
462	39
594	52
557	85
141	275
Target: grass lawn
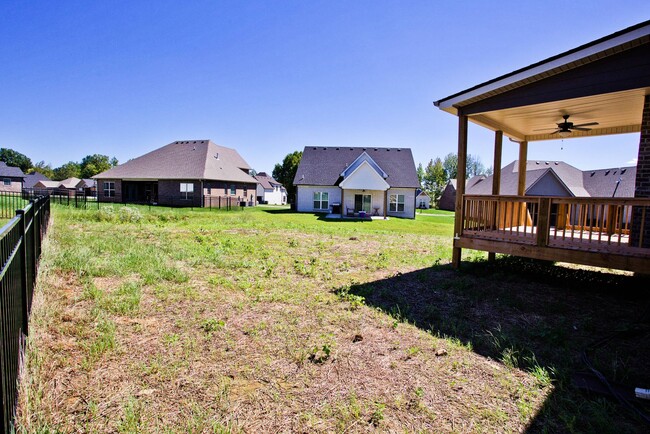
262	320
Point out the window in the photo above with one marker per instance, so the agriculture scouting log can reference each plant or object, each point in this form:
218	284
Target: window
245	190
321	200
109	189
187	190
7	181
233	190
209	191
396	203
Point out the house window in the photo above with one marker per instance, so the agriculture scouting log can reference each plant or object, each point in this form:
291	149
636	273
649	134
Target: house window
321	200
209	191
233	190
7	181
109	189
187	190
245	190
396	203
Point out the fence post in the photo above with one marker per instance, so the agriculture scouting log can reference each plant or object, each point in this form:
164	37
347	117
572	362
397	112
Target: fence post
22	253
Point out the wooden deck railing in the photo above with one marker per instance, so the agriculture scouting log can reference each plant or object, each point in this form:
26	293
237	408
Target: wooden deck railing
594	224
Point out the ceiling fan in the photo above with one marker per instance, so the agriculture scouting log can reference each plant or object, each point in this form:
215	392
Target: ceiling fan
565	128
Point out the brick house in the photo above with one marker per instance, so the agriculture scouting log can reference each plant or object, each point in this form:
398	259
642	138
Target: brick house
183	173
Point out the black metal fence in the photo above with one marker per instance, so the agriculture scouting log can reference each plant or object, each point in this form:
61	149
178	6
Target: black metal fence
20	250
10	201
81	199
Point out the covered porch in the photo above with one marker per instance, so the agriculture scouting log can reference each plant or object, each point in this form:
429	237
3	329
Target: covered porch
600	88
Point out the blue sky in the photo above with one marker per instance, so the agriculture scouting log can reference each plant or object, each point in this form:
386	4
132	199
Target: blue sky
266	78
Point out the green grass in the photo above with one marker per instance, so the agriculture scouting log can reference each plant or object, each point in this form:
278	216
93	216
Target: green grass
176	320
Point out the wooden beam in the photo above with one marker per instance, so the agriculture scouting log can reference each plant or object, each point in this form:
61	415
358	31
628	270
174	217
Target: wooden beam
496	175
523	157
460	185
607	260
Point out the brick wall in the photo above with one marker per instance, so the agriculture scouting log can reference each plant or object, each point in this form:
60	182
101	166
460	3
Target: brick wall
169	193
642	188
118	191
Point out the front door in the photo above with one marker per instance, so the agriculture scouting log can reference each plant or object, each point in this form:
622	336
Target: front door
362	202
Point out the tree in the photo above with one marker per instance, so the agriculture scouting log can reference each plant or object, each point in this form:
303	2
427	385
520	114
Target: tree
450	164
420	172
474	166
68	170
435	179
91	165
42	168
285	172
15	159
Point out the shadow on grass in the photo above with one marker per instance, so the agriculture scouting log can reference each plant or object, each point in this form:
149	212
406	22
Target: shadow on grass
539	318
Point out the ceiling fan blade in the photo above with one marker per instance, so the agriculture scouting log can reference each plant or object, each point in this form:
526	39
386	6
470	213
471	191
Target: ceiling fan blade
581	129
585	125
545	129
554	132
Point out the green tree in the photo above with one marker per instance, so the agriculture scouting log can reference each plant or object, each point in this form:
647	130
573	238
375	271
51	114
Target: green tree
420	172
91	165
42	168
285	172
68	170
450	164
435	179
15	159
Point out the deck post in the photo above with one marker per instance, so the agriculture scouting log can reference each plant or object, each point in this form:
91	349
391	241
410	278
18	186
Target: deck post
460	187
496	178
523	157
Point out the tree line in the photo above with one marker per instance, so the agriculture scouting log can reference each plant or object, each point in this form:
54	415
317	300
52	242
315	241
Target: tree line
438	172
88	167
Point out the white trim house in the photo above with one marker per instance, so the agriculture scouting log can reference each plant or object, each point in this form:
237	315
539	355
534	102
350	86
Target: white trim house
357	182
270	191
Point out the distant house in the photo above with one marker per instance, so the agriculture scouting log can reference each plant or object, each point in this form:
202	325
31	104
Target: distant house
423	200
447	199
270	191
12	178
69	184
357	181
182	173
87	187
46	184
33	178
550	178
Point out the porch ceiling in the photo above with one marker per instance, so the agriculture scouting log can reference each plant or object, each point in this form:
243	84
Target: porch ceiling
616	113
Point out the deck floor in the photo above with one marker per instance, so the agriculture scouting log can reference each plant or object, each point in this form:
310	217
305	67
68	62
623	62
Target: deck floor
563	235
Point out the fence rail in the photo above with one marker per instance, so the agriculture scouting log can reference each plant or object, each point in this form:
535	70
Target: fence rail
81	199
20	250
608	225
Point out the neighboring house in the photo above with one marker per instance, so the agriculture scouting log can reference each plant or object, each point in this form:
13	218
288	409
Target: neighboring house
87	187
69	184
182	173
12	178
46	184
33	178
270	191
423	200
559	179
447	199
350	181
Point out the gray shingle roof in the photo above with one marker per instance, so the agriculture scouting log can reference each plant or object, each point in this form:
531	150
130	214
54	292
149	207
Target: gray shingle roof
324	165
570	176
188	159
602	182
267	182
10	171
576	182
33	178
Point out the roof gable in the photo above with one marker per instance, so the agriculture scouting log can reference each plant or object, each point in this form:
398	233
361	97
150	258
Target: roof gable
10	171
364	177
363	158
